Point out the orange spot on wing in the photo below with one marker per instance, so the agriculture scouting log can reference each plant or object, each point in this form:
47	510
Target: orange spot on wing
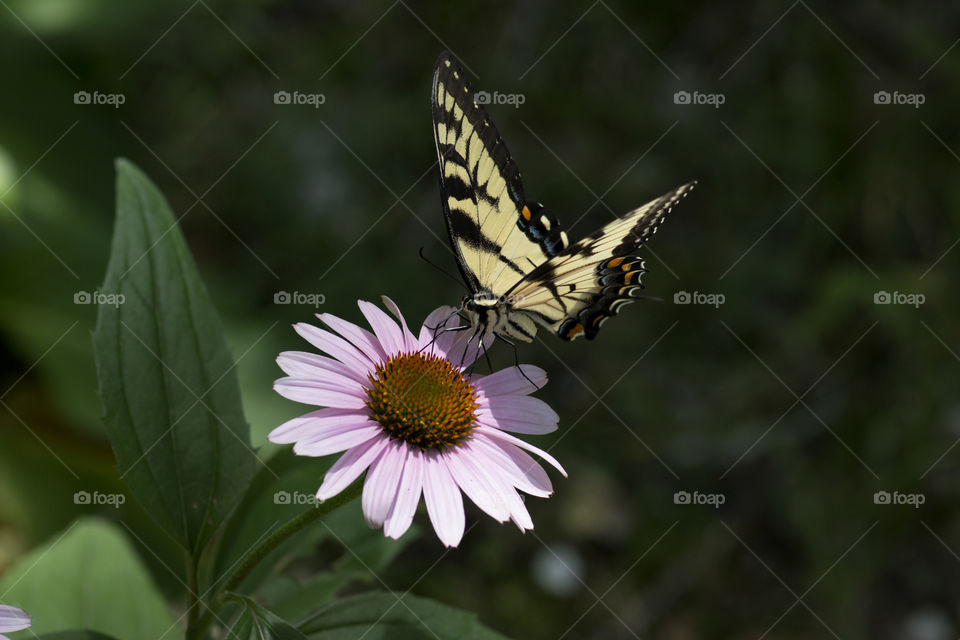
627	278
574	331
614	262
525	212
627	266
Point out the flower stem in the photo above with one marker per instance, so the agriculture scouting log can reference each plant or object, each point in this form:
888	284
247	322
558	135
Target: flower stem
271	542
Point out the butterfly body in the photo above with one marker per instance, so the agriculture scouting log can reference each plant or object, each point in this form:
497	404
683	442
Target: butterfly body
520	267
489	313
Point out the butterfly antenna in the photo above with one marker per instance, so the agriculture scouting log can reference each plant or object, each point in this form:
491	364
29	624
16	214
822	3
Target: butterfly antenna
442	270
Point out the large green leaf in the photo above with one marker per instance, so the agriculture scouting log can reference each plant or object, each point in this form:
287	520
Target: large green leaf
383	616
88	577
167	383
74	635
257	623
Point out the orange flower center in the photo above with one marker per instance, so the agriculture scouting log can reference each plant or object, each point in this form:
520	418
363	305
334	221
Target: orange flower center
423	400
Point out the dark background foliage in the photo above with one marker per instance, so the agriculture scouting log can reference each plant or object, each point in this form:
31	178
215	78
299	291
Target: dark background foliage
796	399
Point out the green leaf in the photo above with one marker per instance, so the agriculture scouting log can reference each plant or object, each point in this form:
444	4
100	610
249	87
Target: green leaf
279	494
88	577
382	616
263	510
75	635
257	623
365	554
167	381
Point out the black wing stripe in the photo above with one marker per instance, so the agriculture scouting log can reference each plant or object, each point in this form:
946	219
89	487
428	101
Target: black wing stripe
465	230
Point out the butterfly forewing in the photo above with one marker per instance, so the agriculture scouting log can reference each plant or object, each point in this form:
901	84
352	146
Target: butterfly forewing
497	236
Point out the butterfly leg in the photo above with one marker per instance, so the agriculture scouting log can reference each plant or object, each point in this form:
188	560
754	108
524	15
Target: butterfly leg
516	360
436	332
466	346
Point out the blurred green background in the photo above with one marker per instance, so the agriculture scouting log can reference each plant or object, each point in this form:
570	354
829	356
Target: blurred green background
797	399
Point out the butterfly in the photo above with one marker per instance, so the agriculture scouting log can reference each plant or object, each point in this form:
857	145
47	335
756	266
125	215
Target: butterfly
515	259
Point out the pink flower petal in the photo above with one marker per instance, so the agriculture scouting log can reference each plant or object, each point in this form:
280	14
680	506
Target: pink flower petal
299	364
501	488
13	618
408	496
523	472
311	392
386	330
358	336
475	484
502	436
511	381
349	467
444	504
381	484
335	346
315	422
520	414
466	347
441	318
333	430
337	441
410	343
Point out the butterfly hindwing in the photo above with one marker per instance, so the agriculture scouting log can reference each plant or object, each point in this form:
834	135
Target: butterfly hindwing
577	289
496	235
